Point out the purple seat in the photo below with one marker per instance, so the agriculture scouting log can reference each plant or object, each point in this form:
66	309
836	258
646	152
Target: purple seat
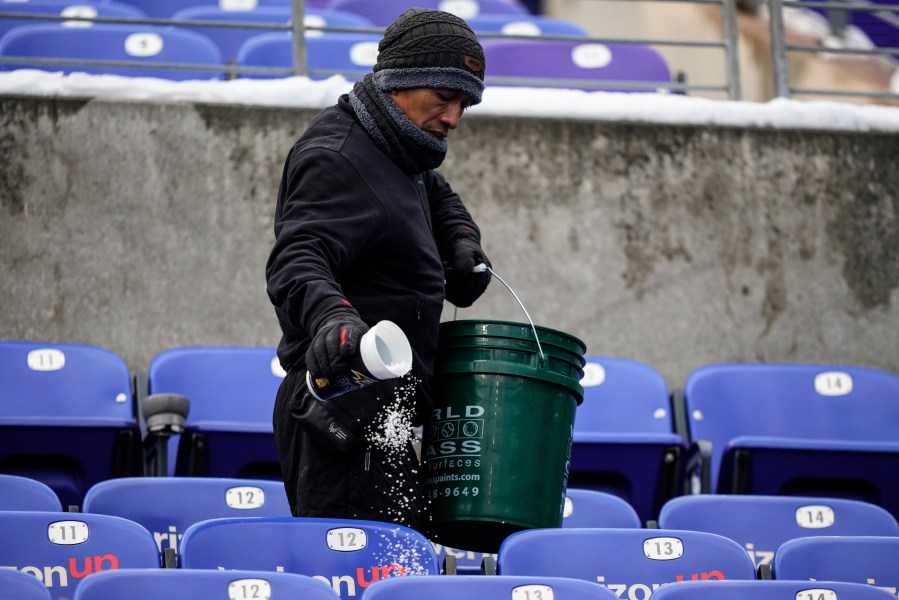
384	12
588	66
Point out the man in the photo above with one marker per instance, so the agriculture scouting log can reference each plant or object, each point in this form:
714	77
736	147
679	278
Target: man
366	231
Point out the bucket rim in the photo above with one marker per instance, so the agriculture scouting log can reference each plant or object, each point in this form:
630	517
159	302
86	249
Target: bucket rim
541	328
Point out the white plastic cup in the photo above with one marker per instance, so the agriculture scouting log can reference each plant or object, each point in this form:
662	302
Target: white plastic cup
384	353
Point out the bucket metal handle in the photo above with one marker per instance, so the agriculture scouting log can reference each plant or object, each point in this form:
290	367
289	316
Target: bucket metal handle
482	268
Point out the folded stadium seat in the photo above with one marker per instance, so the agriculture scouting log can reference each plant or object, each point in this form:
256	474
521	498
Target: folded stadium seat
349	54
22	586
762	523
137	44
571	64
347	554
230	39
583	508
770	590
62	549
858	559
24	493
624	440
482	588
231	390
385	12
524	25
167	506
193	584
630	562
799	430
67	416
64	8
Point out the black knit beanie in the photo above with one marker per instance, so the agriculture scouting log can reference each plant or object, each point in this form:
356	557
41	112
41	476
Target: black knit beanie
430	48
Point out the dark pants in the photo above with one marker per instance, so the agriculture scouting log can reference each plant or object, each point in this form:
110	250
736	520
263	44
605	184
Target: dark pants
332	464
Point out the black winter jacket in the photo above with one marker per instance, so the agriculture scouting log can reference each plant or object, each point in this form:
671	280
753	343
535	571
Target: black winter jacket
350	224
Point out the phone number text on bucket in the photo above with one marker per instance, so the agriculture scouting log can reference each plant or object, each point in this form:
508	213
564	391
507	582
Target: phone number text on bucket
451	492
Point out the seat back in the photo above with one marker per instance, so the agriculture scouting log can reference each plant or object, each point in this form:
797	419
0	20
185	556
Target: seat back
833	421
168	506
857	559
630	562
580	65
24	493
350	54
385	12
477	587
769	590
762	523
62	549
22	586
104	42
514	24
231	390
624	441
64	8
67	416
347	554
193	584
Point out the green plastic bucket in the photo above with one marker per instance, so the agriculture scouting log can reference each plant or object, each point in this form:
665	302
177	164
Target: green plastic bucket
496	450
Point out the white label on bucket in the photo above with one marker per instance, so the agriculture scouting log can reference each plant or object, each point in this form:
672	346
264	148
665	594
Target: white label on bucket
347	539
258	589
663	548
594	375
532	592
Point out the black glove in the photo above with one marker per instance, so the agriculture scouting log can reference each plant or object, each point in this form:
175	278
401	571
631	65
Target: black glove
463	285
336	340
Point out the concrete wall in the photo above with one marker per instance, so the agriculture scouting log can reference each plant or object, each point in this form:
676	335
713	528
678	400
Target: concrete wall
140	227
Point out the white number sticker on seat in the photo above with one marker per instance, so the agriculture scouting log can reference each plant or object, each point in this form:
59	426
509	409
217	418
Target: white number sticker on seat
663	548
68	533
249	589
277	369
569	508
81	11
532	592
594	375
364	54
238	4
143	44
46	359
347	539
816	594
521	28
245	497
815	516
833	383
591	56
464	9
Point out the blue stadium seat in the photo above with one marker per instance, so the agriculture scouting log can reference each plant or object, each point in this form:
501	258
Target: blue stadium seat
580	65
630	562
24	493
384	12
484	588
64	8
857	559
22	586
524	25
138	44
350	54
167	506
347	554
67	416
762	523
583	508
770	590
61	549
624	441
166	8
230	39
800	429
193	584
231	390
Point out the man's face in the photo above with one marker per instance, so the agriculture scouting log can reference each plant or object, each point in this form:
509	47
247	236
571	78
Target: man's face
434	110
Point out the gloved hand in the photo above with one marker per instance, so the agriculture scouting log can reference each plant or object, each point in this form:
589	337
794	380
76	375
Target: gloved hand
463	285
336	340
